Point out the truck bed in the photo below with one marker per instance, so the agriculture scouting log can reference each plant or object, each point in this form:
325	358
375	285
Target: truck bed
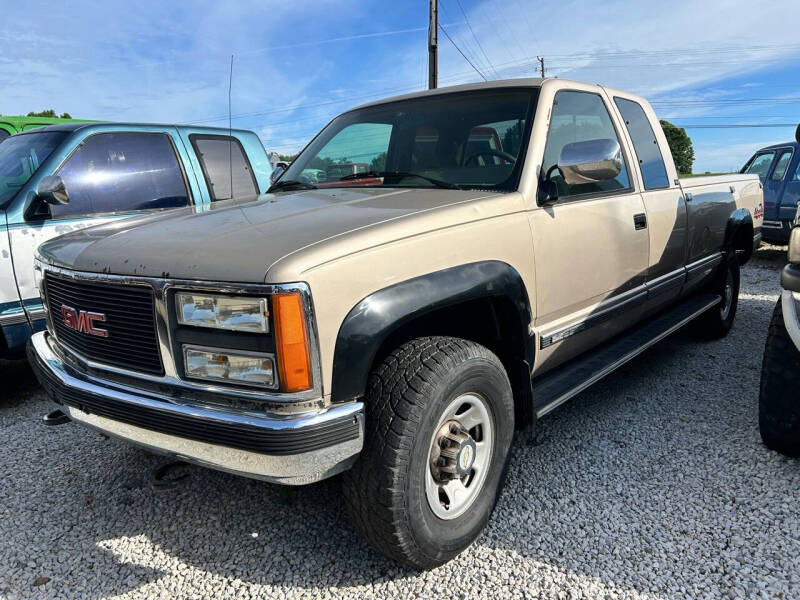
746	191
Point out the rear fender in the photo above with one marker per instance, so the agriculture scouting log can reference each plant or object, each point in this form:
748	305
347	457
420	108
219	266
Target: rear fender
739	234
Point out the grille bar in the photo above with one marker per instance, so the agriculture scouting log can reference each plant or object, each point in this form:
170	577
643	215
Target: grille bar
132	342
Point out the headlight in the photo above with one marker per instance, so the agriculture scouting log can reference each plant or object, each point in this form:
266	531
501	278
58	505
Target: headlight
235	313
246	368
794	246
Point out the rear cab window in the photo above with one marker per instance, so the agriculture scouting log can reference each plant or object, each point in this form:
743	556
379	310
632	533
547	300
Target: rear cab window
651	162
225	165
122	171
781	165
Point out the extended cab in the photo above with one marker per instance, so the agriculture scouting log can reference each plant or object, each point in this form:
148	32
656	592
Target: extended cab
65	177
400	330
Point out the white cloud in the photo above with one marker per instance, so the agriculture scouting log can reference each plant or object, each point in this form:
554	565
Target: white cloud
161	61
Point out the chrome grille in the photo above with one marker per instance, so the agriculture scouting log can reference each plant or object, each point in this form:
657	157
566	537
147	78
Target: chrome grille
132	341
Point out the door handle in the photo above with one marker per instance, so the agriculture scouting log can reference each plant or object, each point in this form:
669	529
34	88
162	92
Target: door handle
640	221
689	196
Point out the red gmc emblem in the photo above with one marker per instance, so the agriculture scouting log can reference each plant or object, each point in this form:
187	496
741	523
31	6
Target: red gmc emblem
83	321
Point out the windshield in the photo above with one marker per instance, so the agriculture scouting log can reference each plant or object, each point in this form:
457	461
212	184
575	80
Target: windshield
20	157
467	140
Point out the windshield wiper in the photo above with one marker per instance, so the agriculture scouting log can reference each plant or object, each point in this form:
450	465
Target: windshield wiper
401	175
282	184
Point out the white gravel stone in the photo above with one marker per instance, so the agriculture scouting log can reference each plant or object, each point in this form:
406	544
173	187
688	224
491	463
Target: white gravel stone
652	484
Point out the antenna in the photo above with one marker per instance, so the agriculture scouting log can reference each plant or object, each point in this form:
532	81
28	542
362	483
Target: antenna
230	126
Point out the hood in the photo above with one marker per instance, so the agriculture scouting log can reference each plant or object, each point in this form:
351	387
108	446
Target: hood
237	241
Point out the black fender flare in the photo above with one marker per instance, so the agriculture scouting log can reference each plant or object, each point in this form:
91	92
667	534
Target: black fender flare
738	219
373	319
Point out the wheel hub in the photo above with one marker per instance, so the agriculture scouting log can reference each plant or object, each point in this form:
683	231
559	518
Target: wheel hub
453	452
459	456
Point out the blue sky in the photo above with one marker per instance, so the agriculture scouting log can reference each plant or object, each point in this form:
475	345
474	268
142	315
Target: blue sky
299	63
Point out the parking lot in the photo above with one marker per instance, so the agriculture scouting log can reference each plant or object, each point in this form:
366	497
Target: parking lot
652	484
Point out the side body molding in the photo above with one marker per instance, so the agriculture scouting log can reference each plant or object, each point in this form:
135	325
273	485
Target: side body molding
375	317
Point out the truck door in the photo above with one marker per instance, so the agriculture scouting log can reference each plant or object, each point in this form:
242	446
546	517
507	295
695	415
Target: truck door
791	189
664	204
591	246
775	186
108	176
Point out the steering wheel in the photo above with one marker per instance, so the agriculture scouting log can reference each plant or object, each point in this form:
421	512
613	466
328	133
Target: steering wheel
509	158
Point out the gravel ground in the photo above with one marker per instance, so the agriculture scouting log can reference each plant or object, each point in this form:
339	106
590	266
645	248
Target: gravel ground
652	484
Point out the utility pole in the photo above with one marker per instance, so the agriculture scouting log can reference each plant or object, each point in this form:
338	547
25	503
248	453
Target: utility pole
541	63
433	45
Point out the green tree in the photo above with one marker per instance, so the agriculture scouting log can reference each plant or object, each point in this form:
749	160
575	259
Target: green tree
512	138
680	145
287	157
378	163
49	113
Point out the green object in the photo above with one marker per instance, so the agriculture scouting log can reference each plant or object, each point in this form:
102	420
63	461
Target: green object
680	145
11	125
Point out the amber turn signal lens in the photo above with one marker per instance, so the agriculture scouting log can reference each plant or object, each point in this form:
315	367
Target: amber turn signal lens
291	337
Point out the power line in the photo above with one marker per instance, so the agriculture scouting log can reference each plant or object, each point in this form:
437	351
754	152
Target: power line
477	41
741	126
477	70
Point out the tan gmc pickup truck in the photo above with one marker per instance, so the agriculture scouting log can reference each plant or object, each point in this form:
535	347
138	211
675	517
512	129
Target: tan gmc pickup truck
432	273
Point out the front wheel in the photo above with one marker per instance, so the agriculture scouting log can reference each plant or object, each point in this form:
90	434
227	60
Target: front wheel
440	420
778	404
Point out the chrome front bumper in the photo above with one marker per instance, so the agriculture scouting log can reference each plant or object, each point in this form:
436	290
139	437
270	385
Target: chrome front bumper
294	450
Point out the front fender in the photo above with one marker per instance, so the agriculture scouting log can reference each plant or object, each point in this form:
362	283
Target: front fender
374	318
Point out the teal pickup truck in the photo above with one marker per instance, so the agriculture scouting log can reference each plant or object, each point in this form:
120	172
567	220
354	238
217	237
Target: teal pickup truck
60	178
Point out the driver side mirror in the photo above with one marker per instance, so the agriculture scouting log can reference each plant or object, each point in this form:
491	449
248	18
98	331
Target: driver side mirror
276	173
51	190
546	192
590	161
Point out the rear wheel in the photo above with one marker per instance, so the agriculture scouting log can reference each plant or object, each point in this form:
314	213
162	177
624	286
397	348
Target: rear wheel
778	403
717	322
440	420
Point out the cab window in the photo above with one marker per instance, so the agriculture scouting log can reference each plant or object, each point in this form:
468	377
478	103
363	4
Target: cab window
122	171
579	117
651	162
226	169
759	165
784	158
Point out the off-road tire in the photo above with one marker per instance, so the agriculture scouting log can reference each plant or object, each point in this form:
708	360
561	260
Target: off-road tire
716	322
778	401
405	398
